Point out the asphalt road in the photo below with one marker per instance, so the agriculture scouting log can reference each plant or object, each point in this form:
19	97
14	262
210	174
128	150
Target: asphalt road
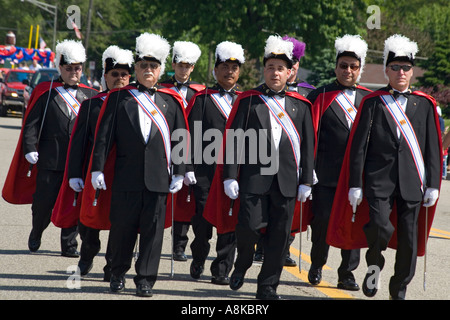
46	275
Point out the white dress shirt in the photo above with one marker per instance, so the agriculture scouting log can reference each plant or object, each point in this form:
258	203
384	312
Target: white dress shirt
145	122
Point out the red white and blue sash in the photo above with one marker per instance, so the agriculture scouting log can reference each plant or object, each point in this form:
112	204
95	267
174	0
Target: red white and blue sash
185	102
222	104
347	106
151	110
282	117
408	133
72	103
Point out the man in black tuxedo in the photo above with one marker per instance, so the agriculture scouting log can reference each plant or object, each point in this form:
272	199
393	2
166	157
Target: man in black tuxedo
46	134
281	122
331	104
207	112
117	64
394	158
137	124
184	57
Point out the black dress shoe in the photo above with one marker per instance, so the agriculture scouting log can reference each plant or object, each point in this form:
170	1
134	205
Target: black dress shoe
348	284
220	280
258	257
369	292
179	256
34	244
144	290
85	267
315	276
289	262
196	270
267	293
71	253
117	284
236	281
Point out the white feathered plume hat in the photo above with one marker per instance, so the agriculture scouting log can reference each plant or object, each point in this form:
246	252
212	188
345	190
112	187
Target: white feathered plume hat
278	48
229	51
399	48
352	46
152	47
185	52
69	52
116	58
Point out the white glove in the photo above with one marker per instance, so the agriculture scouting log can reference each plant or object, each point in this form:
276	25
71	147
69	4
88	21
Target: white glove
189	178
355	197
430	197
231	188
32	157
304	192
176	184
315	179
98	180
76	184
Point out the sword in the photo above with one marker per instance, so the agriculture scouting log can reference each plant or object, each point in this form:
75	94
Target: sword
173	242
425	255
300	239
42	125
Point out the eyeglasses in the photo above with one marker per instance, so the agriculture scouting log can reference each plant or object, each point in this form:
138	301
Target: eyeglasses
397	67
75	68
345	66
151	65
116	74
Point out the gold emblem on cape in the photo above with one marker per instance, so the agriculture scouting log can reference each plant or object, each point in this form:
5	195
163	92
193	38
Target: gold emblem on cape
403	122
154	112
349	109
281	115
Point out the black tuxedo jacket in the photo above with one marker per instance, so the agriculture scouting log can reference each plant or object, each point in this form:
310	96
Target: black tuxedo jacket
205	116
138	164
249	171
385	162
56	128
82	140
333	135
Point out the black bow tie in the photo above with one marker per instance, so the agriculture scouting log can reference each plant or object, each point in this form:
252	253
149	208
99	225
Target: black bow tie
67	86
272	93
143	88
292	84
397	94
179	85
222	91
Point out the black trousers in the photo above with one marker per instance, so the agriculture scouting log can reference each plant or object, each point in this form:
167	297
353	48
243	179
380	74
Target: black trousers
379	231
133	213
180	237
90	245
48	183
203	231
321	206
272	212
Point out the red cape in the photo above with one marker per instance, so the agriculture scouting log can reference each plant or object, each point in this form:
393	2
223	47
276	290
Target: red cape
320	105
184	211
194	86
218	204
97	217
18	188
65	214
344	234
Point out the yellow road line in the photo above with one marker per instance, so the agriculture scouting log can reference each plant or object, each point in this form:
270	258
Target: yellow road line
440	231
305	257
439	235
324	287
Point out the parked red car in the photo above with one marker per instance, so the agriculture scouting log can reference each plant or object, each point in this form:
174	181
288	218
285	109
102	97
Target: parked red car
11	92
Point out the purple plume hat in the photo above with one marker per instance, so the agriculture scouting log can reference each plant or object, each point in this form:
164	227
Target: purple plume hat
299	47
